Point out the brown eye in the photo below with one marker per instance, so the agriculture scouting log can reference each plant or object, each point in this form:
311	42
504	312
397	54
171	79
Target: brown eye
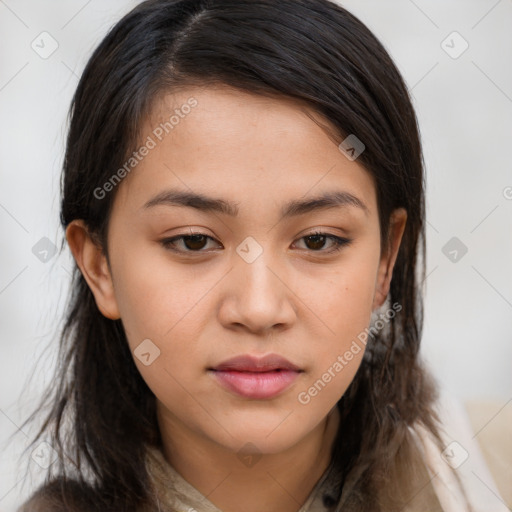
187	243
316	242
194	242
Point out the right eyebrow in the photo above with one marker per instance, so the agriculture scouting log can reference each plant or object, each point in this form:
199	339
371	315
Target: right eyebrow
192	200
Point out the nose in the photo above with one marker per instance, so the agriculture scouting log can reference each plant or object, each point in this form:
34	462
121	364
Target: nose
256	297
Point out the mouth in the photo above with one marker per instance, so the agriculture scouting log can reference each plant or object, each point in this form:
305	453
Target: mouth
256	378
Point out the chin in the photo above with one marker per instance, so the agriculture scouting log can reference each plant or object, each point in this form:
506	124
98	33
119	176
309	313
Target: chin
267	435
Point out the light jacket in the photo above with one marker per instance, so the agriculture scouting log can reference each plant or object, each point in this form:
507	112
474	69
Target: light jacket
441	494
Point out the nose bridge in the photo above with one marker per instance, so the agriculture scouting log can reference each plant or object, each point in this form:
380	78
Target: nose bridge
259	298
253	271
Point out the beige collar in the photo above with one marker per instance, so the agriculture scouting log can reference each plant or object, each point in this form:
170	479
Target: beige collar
175	494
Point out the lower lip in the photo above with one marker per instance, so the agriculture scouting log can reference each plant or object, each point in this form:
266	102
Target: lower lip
256	385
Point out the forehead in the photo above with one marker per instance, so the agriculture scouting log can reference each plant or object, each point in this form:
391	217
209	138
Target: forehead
244	146
222	113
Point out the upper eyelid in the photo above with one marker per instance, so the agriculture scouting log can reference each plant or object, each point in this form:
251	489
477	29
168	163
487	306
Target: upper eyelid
341	240
197	233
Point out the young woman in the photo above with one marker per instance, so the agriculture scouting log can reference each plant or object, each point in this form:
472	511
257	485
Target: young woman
243	195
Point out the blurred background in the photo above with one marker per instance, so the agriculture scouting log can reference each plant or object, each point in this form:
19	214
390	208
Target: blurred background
456	57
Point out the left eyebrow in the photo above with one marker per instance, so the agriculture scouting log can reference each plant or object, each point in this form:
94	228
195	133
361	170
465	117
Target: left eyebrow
291	209
323	202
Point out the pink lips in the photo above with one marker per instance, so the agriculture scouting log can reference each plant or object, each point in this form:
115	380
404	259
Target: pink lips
256	378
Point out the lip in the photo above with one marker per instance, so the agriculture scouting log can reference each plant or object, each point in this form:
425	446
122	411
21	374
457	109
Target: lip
248	363
256	377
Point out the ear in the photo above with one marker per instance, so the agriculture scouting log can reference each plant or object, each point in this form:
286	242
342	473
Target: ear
397	222
93	264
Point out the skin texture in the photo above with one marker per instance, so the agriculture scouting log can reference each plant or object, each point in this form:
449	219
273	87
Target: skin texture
298	298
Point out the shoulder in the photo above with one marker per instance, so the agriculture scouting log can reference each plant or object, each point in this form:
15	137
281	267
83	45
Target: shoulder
444	481
61	495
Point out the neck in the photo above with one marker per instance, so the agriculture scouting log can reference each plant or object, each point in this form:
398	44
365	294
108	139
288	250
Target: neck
278	482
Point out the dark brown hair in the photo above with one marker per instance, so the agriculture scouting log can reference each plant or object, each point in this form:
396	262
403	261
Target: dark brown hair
101	413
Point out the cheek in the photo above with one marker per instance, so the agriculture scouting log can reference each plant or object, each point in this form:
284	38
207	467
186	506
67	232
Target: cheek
343	304
342	299
338	352
169	307
155	298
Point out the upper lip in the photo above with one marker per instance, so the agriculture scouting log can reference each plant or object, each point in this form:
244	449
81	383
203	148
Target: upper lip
248	363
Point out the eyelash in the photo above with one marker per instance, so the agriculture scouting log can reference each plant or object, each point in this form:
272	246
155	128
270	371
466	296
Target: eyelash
339	242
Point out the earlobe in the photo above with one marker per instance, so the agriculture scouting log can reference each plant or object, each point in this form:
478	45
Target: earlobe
398	220
93	264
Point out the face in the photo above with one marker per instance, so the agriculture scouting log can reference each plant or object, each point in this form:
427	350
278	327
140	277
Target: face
218	249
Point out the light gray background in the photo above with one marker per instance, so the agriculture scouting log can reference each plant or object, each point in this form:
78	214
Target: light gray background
464	106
